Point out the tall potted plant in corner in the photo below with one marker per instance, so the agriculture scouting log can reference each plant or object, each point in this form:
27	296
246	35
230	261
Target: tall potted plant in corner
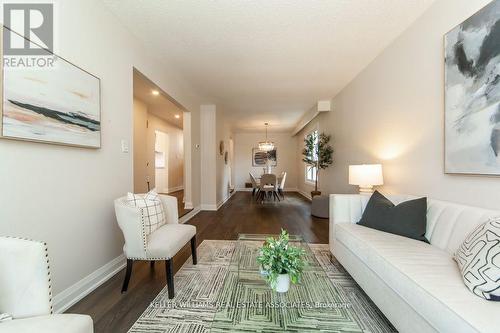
317	153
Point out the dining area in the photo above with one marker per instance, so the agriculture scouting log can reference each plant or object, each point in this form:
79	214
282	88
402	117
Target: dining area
268	186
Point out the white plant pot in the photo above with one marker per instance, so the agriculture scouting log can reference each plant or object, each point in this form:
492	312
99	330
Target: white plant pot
283	283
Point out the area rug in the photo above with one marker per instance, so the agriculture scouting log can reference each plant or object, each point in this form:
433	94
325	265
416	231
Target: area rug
198	288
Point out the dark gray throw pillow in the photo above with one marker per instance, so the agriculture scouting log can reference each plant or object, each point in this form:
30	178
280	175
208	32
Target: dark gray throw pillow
408	219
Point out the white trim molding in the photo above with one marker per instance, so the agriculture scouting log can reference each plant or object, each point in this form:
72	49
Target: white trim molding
208	207
305	195
70	296
190	215
188	205
175	189
221	203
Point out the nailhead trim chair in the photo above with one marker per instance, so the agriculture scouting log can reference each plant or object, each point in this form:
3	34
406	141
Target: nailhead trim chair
26	292
161	244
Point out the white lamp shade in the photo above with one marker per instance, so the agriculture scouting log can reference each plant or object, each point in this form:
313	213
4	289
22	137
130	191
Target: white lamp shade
366	175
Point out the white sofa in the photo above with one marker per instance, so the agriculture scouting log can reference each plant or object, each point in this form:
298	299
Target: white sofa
418	286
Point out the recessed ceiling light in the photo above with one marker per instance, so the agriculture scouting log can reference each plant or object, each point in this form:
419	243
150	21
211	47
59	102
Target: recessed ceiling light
177	116
155	92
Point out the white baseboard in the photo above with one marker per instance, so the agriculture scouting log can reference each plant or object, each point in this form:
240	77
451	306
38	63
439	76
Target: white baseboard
190	215
175	189
188	205
208	207
221	203
68	297
305	194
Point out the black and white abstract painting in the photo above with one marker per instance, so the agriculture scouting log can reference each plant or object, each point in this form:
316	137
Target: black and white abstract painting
472	93
263	158
59	105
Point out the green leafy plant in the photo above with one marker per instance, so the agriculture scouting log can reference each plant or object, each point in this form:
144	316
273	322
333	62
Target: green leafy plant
317	152
277	257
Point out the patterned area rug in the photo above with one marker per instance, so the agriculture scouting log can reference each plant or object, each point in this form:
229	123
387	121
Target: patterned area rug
198	289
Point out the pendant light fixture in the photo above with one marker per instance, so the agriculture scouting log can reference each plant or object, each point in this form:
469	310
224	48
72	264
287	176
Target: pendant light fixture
266	145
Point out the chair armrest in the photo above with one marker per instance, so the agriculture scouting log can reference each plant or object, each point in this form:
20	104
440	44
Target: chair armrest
171	208
67	323
25	289
130	221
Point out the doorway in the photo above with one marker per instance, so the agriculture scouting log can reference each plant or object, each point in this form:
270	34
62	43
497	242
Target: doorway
159	155
161	162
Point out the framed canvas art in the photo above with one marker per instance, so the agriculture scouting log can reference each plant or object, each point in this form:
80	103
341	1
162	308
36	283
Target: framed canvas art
261	157
58	105
472	94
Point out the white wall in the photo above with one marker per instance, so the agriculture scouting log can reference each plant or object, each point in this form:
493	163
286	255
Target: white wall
223	170
286	146
64	195
208	157
392	113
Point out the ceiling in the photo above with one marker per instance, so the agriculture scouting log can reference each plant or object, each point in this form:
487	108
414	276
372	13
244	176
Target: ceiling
263	60
159	105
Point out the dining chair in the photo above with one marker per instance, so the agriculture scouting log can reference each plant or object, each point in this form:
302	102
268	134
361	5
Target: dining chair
268	187
255	183
281	188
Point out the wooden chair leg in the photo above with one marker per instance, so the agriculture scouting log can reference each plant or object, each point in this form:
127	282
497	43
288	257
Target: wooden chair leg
169	265
152	264
193	250
128	273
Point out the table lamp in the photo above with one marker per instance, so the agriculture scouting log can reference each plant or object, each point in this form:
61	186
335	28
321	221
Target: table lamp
366	176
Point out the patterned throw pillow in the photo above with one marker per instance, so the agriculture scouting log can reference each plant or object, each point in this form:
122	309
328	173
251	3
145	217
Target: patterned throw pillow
151	209
479	260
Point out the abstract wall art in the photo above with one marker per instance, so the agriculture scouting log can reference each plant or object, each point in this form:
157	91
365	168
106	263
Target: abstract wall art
59	105
472	94
260	158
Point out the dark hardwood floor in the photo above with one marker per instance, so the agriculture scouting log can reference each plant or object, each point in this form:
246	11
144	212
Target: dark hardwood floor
114	312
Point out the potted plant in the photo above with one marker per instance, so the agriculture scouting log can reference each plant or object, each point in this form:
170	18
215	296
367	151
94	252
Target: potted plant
317	153
281	263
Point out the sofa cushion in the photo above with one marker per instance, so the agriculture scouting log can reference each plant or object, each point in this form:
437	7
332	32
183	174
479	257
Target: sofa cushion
426	277
479	260
165	242
407	219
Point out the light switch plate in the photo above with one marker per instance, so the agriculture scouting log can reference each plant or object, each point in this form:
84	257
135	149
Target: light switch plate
124	146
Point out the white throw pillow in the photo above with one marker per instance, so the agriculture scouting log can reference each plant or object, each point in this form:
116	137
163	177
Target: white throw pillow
479	260
151	207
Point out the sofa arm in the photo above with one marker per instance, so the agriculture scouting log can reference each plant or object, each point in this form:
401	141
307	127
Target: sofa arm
347	208
25	289
130	221
171	208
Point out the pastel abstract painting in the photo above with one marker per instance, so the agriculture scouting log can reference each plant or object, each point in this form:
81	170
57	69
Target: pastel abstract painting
472	93
60	105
